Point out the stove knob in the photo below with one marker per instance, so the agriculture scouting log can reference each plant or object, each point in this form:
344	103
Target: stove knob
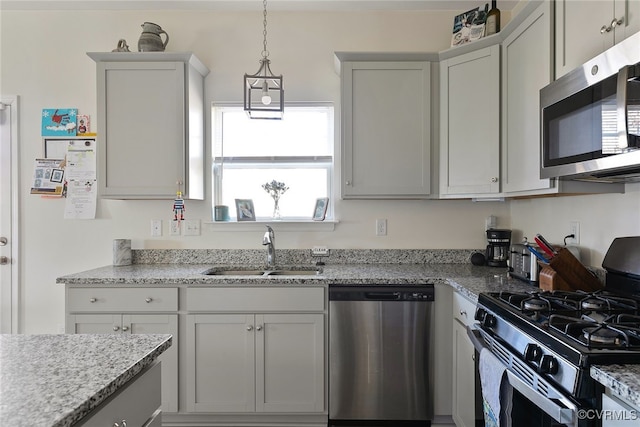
548	365
532	353
488	320
480	313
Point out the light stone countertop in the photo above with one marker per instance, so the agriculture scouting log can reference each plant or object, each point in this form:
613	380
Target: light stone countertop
56	380
622	380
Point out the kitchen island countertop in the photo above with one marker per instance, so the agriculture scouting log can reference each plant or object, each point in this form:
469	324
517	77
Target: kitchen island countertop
56	380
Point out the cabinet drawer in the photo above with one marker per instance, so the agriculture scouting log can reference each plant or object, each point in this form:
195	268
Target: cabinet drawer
122	299
136	404
463	309
255	299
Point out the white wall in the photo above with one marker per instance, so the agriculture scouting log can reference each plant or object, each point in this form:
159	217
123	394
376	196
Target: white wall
43	61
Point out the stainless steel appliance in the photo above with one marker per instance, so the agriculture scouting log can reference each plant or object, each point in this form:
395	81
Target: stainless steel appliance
498	248
547	341
590	118
522	264
378	363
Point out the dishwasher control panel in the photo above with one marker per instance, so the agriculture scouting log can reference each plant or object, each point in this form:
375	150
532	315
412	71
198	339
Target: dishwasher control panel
423	292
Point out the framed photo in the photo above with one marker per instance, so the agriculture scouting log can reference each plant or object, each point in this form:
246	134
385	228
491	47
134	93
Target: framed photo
320	210
244	210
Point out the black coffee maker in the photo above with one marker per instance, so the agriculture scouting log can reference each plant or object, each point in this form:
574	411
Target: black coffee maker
498	248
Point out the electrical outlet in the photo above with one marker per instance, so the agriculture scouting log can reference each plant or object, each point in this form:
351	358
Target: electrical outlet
156	227
574	228
192	227
381	227
174	228
320	251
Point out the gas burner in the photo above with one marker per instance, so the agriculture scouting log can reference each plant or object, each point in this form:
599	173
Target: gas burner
601	335
535	304
593	303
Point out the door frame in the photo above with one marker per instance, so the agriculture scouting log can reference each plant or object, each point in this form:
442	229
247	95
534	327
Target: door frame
9	323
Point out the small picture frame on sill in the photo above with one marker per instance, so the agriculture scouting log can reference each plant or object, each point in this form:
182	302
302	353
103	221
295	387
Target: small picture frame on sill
320	210
244	210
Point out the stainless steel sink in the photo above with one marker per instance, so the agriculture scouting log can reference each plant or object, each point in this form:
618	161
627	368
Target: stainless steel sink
253	271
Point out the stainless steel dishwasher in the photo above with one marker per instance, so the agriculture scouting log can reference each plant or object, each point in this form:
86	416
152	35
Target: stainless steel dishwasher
378	355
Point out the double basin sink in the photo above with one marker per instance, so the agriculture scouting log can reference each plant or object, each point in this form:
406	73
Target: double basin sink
253	271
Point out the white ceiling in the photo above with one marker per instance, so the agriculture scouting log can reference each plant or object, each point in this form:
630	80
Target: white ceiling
458	5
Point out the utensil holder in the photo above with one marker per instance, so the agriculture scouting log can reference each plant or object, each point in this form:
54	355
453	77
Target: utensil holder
573	272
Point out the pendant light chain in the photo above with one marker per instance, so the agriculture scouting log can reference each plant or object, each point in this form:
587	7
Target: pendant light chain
265	52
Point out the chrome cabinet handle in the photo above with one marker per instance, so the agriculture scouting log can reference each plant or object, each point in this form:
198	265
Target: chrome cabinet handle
463	313
122	423
3	241
613	25
259	328
92	300
4	260
116	328
148	300
125	328
249	328
494	179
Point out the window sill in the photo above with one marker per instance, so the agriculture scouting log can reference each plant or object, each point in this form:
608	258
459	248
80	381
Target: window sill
285	225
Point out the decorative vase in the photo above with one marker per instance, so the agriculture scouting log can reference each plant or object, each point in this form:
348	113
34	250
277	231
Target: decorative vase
276	209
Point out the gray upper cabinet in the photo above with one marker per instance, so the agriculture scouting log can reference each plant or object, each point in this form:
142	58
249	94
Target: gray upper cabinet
585	28
150	125
470	124
386	128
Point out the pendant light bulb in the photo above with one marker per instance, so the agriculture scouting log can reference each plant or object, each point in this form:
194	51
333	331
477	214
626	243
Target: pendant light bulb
266	99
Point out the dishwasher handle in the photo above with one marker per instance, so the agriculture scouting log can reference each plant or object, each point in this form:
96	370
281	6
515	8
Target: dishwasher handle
382	296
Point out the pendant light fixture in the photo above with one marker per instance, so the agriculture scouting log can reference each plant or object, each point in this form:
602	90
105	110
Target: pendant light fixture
263	92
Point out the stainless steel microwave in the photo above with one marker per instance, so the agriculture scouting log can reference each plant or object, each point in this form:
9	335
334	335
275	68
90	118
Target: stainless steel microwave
590	119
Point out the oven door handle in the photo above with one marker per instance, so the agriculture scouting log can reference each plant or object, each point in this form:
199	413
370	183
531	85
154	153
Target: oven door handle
564	414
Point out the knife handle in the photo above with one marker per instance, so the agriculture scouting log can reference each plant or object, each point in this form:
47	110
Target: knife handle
545	243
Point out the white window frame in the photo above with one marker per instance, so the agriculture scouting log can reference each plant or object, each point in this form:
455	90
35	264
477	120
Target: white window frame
320	162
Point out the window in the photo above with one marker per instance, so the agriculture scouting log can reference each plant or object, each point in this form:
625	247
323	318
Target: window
297	150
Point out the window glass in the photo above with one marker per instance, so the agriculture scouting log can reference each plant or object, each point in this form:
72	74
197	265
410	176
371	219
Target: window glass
297	150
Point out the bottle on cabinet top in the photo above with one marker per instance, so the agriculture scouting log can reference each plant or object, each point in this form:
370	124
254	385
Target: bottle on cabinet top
493	20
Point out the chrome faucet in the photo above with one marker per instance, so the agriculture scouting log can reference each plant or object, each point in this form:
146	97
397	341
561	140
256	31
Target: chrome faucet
269	240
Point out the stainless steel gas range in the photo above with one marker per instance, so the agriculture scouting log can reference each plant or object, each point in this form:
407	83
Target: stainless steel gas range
547	340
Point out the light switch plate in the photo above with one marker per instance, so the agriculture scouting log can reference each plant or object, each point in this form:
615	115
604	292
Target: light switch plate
191	227
156	227
174	228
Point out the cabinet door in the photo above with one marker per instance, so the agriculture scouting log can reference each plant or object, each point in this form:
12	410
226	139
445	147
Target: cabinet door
220	363
464	385
470	123
290	363
141	128
93	323
160	324
629	11
526	68
386	129
578	36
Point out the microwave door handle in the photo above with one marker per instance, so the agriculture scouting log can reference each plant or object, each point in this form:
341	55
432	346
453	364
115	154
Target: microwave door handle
621	111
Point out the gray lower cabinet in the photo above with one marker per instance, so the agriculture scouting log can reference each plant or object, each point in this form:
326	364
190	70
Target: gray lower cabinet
99	310
135	404
255	350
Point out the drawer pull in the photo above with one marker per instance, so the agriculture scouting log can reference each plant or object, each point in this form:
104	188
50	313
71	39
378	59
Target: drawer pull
116	328
148	300
125	328
92	300
123	423
249	328
259	328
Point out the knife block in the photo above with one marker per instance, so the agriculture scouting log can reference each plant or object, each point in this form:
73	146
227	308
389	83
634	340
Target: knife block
550	280
570	271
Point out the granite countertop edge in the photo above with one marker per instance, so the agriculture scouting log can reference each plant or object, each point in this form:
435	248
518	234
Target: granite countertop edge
622	380
52	379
